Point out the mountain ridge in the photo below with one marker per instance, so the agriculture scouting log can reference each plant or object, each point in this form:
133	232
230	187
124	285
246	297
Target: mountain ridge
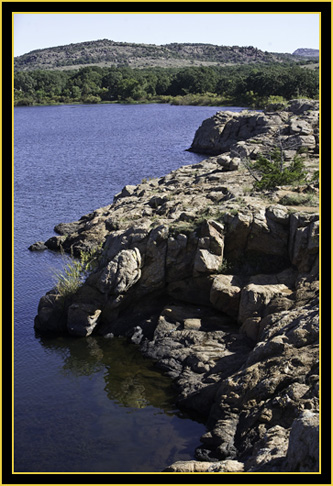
105	52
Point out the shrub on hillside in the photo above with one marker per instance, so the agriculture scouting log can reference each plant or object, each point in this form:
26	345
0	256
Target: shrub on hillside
273	171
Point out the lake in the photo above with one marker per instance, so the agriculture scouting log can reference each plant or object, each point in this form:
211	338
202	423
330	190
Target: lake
93	404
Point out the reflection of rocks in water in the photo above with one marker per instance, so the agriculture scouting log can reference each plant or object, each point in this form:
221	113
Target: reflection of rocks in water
133	380
138	389
131	394
81	357
84	362
130	379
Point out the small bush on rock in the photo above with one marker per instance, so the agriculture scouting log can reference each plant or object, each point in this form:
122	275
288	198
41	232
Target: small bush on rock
270	172
70	278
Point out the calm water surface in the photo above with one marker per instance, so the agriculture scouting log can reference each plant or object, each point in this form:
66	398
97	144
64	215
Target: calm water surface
95	404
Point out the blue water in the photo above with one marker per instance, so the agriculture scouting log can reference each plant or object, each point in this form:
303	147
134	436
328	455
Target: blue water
89	405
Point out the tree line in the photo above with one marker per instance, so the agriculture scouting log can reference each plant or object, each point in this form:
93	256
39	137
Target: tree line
244	84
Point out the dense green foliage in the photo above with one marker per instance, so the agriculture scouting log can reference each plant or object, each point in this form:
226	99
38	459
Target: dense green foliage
245	84
273	171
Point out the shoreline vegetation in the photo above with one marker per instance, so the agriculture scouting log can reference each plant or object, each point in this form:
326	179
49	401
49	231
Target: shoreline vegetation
206	99
251	86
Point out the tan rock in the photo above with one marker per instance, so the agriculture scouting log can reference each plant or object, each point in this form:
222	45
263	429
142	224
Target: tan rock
225	294
194	324
255	298
202	466
206	262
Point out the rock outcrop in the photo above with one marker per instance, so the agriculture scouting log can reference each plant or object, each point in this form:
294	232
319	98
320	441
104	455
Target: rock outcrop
247	134
219	284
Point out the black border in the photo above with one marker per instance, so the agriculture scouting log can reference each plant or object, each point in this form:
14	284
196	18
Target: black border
174	478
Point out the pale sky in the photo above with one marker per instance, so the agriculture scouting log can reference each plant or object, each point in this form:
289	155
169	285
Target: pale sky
268	32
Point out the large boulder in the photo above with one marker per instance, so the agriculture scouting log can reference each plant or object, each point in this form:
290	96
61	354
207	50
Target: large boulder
153	272
225	294
82	319
303	448
52	313
304	241
121	273
255	298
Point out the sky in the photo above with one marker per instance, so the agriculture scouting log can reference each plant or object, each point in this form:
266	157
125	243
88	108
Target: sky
268	32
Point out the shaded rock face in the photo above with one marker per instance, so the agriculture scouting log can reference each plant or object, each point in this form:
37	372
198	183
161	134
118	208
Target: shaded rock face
220	287
82	319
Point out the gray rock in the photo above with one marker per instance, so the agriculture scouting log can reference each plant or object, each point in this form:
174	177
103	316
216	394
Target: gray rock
225	294
121	273
202	466
206	262
137	335
38	246
270	451
303	448
52	314
300	106
304	241
154	271
127	191
228	163
82	319
55	243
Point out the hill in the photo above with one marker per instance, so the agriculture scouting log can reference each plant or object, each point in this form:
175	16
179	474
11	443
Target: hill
305	52
107	52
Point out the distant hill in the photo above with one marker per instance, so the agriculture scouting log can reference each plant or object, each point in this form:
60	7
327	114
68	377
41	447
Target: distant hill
305	52
106	53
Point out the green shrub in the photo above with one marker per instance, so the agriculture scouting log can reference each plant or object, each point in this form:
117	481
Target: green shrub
299	200
69	279
315	176
272	171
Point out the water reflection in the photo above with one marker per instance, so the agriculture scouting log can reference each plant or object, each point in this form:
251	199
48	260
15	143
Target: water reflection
130	379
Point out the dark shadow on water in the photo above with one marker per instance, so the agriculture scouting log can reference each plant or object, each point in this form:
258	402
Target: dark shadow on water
131	380
106	408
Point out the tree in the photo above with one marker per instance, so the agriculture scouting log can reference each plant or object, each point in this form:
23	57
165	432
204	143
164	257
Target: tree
194	80
23	81
163	82
111	81
127	88
272	171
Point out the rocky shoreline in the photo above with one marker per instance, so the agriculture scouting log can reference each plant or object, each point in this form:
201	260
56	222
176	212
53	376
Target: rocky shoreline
219	284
